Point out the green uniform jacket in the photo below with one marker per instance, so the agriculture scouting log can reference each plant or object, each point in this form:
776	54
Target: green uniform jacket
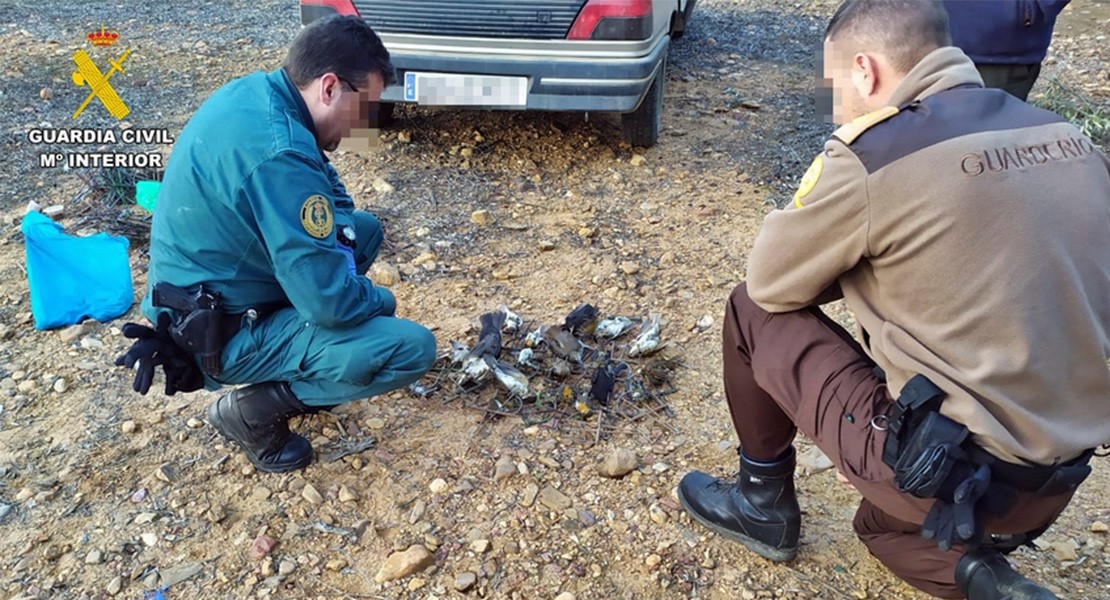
250	205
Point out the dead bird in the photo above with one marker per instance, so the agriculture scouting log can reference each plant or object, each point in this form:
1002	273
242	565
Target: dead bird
535	336
524	358
647	341
614	327
513	321
582	321
513	380
604	379
459	352
563	344
489	337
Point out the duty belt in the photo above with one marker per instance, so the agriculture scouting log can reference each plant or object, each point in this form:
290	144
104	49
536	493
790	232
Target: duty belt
934	457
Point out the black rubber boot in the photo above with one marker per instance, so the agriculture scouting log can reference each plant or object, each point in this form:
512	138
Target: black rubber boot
759	510
257	418
989	576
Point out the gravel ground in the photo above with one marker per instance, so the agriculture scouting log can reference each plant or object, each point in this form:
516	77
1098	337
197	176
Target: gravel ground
103	492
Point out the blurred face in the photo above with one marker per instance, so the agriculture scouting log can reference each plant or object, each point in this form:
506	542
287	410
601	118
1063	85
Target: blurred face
837	84
344	106
855	82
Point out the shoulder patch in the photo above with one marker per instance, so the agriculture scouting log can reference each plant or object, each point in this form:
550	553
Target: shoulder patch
848	133
316	216
813	173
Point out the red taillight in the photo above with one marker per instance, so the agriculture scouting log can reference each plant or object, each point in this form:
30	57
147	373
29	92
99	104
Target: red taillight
343	7
596	10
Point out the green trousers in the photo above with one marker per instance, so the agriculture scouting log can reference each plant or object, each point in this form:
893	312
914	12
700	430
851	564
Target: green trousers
328	366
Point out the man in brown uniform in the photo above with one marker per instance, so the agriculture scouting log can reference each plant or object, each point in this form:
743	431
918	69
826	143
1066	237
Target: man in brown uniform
969	233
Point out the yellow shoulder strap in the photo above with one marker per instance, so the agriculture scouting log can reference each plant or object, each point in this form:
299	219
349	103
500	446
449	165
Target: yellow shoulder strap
849	132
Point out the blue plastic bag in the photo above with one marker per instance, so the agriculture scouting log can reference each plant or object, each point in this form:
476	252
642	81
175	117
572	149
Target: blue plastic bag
74	278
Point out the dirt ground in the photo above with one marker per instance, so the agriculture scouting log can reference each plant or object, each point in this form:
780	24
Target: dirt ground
107	493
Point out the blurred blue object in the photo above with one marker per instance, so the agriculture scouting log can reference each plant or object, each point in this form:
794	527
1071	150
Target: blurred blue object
73	278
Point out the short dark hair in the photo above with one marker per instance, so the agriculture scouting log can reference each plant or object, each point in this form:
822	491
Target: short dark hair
344	45
903	30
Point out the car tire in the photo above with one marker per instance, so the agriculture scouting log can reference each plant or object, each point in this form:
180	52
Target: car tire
641	126
384	118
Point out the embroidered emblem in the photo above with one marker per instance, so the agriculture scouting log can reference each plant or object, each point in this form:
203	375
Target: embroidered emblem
316	216
813	173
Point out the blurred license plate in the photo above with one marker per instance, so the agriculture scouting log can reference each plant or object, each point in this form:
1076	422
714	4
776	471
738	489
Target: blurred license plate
450	89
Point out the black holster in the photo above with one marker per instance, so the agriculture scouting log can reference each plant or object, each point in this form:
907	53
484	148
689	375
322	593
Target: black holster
200	325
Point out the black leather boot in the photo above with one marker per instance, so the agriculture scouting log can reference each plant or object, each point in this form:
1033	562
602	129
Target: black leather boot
257	418
759	510
989	576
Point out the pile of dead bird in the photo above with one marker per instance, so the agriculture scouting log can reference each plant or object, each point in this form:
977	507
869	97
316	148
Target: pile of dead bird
589	367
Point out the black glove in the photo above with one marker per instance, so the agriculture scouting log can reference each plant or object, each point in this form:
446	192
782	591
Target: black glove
154	347
956	522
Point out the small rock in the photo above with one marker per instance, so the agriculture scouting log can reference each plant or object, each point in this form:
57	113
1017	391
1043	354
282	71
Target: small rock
5	510
346	495
565	596
504	469
46	93
382	186
128	426
286	568
1099	527
465	581
653	560
55	212
438	486
814	460
637	160
27	386
657	514
149	539
630	268
261	547
336	564
416	583
554	499
309	493
418	509
479	546
402	564
115	585
138	496
145	517
194	423
60	385
375	423
94	557
530	494
1065	550
545	245
404	137
384	274
24	495
91	343
618	463
164	473
481	217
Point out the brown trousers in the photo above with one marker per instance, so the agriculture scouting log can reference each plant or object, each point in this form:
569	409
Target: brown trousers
800	370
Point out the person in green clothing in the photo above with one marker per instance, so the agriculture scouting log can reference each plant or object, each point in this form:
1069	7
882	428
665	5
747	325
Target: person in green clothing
254	222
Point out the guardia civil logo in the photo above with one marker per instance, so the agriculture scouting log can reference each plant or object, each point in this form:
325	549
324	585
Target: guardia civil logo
88	74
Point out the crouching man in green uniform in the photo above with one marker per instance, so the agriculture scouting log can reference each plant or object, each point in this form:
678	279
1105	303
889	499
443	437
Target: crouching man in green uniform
258	258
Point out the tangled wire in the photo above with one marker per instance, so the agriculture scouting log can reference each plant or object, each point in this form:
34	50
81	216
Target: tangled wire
586	368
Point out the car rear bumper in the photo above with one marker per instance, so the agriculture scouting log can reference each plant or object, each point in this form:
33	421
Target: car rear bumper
609	84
